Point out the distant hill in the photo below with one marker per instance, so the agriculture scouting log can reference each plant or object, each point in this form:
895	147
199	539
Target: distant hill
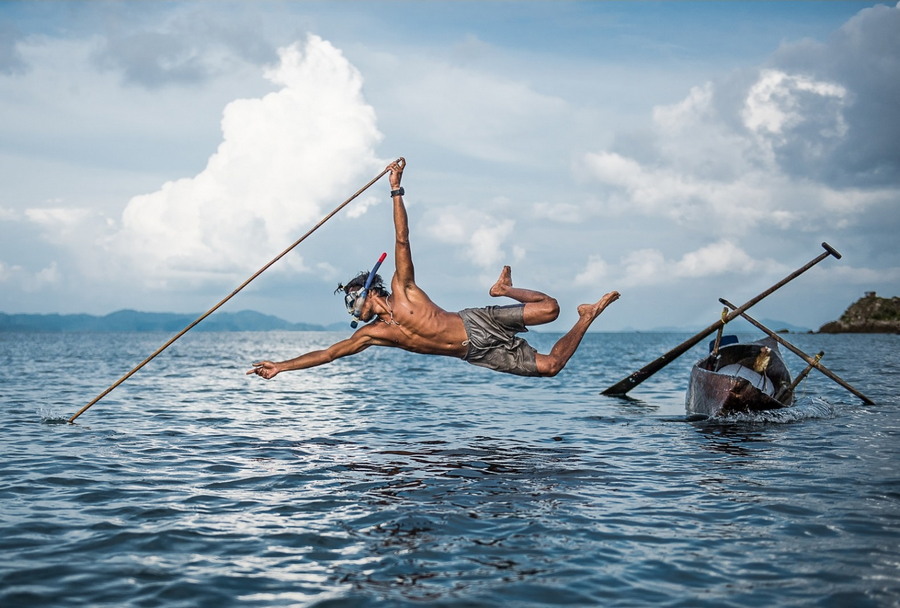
132	320
247	320
868	315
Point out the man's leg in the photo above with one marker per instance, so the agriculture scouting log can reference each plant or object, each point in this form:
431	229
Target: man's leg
562	351
539	307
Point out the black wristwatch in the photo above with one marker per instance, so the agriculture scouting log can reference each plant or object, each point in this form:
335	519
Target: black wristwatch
398	192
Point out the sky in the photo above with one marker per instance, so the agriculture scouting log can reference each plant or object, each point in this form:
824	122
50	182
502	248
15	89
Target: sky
154	155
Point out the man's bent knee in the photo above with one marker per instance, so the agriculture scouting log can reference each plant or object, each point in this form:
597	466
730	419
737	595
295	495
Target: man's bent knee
543	311
548	366
553	308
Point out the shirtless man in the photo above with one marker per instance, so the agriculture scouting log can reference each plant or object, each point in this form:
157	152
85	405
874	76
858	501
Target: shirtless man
406	318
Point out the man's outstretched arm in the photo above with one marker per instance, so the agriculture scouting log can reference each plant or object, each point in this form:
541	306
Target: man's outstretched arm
356	343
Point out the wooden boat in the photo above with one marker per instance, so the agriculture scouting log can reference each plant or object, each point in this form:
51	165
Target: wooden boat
740	378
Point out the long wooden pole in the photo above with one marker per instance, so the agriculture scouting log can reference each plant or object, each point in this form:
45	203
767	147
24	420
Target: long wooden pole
785	390
810	360
626	384
225	299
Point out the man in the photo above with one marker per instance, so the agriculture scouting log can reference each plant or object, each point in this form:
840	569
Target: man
406	318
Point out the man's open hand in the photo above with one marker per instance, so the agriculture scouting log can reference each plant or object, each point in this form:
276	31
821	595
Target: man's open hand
264	369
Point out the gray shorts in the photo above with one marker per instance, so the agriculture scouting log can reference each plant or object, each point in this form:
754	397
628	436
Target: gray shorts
493	342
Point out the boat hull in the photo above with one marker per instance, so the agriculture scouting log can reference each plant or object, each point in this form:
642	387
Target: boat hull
728	385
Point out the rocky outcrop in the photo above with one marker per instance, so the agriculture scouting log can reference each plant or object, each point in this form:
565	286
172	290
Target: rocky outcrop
868	315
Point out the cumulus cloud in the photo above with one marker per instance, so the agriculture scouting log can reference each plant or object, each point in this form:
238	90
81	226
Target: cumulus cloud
11	60
717	258
762	156
30	282
481	236
178	47
650	267
689	199
281	157
596	271
476	113
795	120
49	275
862	57
768	148
59	221
6	271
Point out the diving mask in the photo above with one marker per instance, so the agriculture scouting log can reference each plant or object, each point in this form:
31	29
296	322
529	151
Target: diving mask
350	302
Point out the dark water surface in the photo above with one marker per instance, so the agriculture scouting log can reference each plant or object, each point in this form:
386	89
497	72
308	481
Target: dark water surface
391	479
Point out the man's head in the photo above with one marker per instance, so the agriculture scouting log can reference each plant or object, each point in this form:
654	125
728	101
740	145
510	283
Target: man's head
359	281
352	288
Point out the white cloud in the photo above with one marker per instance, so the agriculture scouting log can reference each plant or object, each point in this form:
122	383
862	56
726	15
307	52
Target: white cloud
683	197
58	221
866	278
362	205
477	113
775	103
723	159
30	282
796	120
281	157
649	266
7	271
716	258
486	243
757	164
479	235
861	58
595	271
181	45
44	277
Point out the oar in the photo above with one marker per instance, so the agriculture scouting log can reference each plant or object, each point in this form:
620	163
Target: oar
715	350
231	295
626	384
798	352
793	385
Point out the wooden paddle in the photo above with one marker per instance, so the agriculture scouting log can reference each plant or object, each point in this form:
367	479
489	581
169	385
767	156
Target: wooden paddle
623	386
810	360
793	385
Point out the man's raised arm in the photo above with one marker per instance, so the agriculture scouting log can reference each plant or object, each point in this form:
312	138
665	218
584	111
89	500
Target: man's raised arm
405	274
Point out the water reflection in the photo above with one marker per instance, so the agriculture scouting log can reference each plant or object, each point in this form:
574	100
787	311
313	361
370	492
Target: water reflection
730	438
444	518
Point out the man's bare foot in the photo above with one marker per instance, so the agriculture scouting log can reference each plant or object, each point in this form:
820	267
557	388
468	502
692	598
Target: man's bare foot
503	284
592	311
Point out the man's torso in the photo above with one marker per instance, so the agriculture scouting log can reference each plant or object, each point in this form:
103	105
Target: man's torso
418	325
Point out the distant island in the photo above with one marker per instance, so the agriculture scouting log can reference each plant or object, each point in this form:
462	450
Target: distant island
245	320
132	321
868	315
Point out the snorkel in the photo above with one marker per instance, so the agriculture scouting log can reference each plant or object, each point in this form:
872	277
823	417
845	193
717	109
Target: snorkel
361	295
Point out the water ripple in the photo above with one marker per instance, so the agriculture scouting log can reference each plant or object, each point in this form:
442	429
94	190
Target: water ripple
436	482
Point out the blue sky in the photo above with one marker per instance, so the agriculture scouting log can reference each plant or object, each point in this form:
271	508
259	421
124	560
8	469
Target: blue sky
154	155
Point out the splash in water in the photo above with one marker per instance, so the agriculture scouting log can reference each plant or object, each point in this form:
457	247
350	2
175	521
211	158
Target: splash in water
809	408
50	417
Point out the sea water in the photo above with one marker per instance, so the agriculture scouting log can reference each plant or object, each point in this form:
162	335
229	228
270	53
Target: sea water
393	479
